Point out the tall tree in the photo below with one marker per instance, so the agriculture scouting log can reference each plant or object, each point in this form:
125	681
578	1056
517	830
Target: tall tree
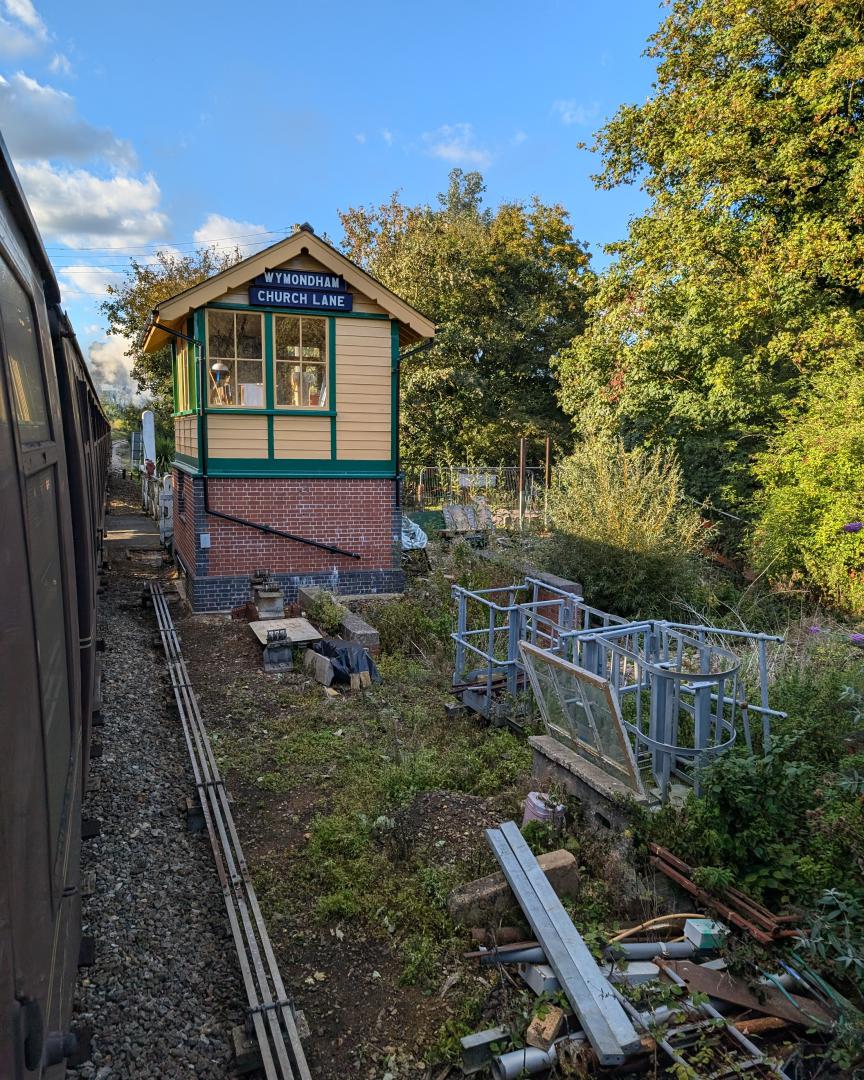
746	275
506	289
130	305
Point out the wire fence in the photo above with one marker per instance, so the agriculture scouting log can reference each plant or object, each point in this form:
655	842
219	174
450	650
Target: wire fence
432	487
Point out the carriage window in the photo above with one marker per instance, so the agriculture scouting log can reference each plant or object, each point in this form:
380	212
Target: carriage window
25	362
235	358
301	361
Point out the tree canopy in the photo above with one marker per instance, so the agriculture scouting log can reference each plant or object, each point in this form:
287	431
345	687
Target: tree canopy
745	278
130	305
506	289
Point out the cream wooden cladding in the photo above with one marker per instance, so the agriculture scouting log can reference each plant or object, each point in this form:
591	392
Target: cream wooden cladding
236	436
363	389
301	437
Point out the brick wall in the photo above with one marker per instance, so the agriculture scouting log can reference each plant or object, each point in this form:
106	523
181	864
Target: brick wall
356	515
186	491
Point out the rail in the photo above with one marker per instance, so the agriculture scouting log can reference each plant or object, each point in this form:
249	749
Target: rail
270	1009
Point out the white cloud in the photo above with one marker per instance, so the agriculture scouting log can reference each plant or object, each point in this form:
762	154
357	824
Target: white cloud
21	29
518	138
227	233
25	13
387	136
82	210
40	122
574	112
60	64
83	280
456	143
360	137
110	366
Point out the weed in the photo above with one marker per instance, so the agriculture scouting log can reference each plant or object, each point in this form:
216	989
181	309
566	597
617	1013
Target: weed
326	613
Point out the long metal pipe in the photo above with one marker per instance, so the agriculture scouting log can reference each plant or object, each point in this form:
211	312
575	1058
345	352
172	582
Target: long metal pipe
647	950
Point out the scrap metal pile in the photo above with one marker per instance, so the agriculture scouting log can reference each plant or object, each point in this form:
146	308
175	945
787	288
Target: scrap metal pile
660	992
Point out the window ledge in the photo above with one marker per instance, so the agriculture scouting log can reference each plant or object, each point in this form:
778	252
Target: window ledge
251	410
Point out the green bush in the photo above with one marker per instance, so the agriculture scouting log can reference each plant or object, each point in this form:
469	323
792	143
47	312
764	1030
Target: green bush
789	825
813	485
325	612
622	527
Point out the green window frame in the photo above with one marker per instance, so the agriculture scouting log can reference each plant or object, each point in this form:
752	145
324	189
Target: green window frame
236	360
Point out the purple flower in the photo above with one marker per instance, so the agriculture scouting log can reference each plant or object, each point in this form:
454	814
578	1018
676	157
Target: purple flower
814	629
853	526
857	639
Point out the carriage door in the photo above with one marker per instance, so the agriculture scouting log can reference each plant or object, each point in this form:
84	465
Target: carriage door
37	752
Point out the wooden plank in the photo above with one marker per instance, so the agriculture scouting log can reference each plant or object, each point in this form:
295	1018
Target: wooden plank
589	973
609	1051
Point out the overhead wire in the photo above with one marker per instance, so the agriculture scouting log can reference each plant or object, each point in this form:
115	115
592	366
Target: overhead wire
62	249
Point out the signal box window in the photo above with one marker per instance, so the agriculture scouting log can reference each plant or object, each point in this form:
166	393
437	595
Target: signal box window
235	359
301	361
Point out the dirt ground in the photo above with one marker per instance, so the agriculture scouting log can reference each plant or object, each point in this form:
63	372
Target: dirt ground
346	976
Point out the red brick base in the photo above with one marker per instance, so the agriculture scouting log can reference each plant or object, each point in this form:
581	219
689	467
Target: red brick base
357	515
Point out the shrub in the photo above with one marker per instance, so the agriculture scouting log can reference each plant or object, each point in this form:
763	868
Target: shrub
325	612
622	528
813	486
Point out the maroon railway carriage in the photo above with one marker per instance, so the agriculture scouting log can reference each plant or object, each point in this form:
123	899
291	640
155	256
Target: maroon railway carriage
54	449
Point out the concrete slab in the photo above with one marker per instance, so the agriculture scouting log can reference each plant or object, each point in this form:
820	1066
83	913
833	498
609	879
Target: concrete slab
134	531
298	630
602	795
353	628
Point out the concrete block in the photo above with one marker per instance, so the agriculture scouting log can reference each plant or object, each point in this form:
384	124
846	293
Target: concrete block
564	584
353	628
489	898
319	667
307	595
604	798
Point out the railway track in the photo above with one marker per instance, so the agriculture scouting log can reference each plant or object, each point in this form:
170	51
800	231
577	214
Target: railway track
270	1010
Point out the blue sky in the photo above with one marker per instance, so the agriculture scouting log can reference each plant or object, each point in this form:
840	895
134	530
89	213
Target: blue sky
139	125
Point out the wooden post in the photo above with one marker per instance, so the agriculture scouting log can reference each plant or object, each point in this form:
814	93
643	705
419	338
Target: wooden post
547	479
522	444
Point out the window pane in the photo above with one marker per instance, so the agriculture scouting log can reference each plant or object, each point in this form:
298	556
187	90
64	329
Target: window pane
25	362
249	336
221	378
288	385
220	333
313	339
250	383
314	377
287	334
182	378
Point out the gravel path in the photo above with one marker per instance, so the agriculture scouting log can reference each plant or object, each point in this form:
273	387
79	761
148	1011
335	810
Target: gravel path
165	989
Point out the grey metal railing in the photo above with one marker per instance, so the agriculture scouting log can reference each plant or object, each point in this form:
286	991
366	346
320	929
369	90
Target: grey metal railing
678	686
